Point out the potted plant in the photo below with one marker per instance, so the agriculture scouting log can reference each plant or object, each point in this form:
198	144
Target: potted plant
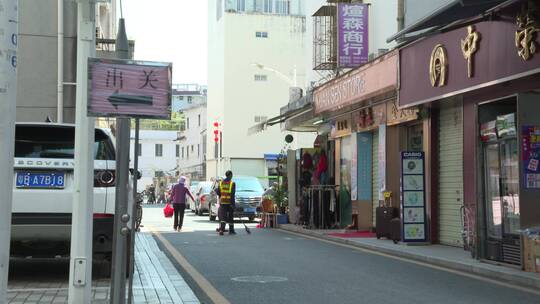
279	198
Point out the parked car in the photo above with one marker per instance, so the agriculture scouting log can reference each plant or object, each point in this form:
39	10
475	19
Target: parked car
44	185
248	198
190	203
202	197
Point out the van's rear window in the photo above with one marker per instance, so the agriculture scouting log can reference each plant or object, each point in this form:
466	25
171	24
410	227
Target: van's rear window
57	142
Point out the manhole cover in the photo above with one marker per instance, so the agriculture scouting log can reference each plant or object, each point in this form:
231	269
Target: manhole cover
259	279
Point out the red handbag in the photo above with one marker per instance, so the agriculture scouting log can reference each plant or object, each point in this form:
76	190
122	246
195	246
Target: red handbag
168	211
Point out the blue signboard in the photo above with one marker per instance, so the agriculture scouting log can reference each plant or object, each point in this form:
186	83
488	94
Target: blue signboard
365	161
413	197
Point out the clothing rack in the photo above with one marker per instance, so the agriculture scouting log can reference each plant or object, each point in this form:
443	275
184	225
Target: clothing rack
317	193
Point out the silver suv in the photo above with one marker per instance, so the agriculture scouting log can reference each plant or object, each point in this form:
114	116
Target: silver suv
248	199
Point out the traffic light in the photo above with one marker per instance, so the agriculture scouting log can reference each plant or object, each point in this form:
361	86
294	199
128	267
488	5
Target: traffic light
216	131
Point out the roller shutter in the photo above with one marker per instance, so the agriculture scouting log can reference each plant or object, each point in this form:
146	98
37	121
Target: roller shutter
450	173
375	173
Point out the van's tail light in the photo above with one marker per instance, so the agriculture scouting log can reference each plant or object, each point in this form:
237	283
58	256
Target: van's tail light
104	178
203	198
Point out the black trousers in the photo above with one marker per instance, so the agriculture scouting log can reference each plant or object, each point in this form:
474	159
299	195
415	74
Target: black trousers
179	215
226	215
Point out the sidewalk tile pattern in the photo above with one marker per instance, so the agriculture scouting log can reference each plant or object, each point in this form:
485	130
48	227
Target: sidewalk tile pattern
155	280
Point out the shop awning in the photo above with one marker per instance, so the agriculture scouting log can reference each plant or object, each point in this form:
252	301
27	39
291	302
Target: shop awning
451	12
292	109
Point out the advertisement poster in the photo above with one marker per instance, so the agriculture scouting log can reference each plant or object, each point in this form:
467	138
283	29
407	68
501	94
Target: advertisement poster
353	39
365	174
354	168
381	157
531	156
413	196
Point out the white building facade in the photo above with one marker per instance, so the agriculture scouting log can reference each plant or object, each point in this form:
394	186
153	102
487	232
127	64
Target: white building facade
256	53
46	46
157	155
191	142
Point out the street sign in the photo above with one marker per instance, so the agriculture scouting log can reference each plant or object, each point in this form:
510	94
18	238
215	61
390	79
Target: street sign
128	88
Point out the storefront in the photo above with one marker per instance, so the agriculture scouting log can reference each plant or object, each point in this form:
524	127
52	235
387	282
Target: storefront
353	106
481	82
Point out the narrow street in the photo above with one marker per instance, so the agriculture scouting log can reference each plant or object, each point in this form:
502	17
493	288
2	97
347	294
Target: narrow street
272	266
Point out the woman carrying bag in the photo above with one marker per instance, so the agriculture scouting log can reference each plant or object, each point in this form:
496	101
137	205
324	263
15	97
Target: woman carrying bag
179	193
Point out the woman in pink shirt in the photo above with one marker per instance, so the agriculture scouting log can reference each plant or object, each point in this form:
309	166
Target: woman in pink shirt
179	195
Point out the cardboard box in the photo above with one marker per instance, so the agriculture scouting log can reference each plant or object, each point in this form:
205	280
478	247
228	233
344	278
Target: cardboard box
531	255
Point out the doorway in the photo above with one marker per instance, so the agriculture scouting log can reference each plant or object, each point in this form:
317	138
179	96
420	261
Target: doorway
500	154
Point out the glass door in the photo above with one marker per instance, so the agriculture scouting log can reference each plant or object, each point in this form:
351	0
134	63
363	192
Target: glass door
493	193
510	186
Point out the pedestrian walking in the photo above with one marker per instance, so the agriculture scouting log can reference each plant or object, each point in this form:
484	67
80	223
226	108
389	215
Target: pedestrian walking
152	194
226	192
179	195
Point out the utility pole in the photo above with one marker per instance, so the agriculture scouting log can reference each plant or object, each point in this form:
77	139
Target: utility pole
8	93
133	211
121	217
401	14
80	266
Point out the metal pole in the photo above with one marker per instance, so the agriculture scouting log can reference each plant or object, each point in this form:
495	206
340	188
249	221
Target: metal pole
60	79
121	218
80	269
133	212
400	15
8	93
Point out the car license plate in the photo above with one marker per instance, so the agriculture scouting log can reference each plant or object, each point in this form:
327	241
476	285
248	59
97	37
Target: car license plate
250	210
40	180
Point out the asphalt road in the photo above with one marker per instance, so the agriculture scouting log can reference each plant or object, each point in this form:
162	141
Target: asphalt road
270	266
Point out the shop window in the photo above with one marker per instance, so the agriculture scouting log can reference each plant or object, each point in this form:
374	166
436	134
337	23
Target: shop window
415	138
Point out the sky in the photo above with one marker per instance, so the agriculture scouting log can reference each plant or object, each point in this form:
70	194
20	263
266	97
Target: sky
171	31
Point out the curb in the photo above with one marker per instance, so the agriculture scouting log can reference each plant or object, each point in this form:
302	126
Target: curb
503	275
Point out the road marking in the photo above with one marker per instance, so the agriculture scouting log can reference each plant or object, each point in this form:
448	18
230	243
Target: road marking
259	279
457	272
203	283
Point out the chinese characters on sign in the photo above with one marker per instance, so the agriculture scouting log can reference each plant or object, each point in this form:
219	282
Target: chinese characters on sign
438	64
531	156
352	34
526	35
469	46
129	88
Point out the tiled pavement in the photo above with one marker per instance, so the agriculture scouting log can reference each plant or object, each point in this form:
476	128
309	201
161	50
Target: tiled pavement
155	281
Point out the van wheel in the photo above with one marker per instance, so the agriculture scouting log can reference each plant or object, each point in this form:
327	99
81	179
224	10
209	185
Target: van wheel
212	217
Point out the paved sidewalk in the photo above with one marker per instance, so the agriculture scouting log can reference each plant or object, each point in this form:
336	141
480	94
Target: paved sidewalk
444	256
156	280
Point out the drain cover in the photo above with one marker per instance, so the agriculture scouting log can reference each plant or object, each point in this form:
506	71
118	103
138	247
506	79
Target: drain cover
259	279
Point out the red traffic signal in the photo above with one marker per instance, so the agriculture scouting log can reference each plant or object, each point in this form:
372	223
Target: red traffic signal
216	132
216	139
216	124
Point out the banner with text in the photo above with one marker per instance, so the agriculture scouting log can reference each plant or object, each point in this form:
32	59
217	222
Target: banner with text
353	22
